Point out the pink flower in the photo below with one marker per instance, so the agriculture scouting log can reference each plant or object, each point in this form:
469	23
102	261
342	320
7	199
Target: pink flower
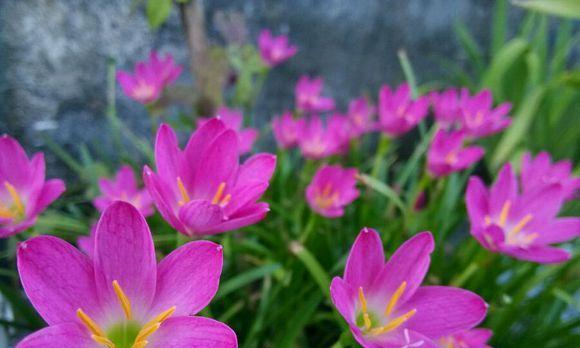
203	189
540	171
446	108
447	153
124	188
360	115
234	119
521	225
308	98
275	49
474	338
149	78
478	117
384	304
332	188
24	192
122	297
318	141
398	112
287	130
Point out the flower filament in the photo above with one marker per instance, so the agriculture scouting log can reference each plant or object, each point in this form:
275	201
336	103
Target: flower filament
219	197
513	235
326	197
15	210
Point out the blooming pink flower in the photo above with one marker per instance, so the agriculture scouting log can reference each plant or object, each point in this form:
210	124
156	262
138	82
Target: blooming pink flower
319	141
24	193
540	171
275	49
203	189
360	114
124	188
287	130
384	304
474	338
447	153
122	297
522	225
331	189
479	118
398	112
446	108
234	119
308	98
149	78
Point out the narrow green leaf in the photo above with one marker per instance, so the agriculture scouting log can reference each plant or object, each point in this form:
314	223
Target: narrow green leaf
246	278
383	189
501	64
563	8
408	71
313	266
470	46
158	11
499	26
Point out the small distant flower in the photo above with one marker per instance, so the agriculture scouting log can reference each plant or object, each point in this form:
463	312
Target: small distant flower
478	117
203	189
446	108
308	96
275	49
149	78
124	188
24	192
521	225
474	338
540	171
332	188
360	115
234	119
287	130
122	297
384	304
398	112
339	125
318	141
447	153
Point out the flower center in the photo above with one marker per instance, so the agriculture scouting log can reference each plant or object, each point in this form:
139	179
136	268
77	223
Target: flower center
369	320
143	91
326	197
219	197
129	333
15	209
513	235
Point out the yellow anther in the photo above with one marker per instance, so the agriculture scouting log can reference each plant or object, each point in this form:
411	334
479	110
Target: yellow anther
226	200
219	193
521	224
15	198
152	326
90	324
393	324
505	210
103	341
184	195
530	238
451	158
140	344
363	305
125	303
6	213
395	298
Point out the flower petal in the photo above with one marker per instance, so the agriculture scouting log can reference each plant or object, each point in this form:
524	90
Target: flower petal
193	332
505	188
200	216
540	254
202	139
561	230
167	152
258	168
242	218
51	190
476	200
343	297
365	260
68	335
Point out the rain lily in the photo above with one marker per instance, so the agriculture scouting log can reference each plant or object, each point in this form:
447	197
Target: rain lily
319	141
474	338
384	304
446	108
287	130
124	188
540	171
203	189
275	49
398	112
24	192
360	113
479	118
522	225
234	119
447	153
308	98
149	78
332	188
122	298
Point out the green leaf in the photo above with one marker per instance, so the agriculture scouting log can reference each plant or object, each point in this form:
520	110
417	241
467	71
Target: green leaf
246	278
563	8
313	266
499	26
469	45
500	65
158	11
383	189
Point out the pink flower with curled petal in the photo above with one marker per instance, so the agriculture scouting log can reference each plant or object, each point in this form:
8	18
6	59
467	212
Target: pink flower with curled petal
520	224
203	189
287	130
308	96
360	115
124	188
540	171
24	192
166	68
121	297
474	338
332	188
318	140
398	112
234	119
447	153
384	304
478	117
275	49
446	108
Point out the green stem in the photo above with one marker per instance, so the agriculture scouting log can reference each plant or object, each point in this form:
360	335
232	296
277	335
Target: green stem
382	149
312	220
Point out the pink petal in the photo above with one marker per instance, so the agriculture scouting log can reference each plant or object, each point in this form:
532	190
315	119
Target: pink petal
343	297
57	278
244	196
163	197
505	188
13	162
193	332
167	152
476	200
540	254
365	260
51	190
258	168
561	230
242	218
200	216
202	139
68	335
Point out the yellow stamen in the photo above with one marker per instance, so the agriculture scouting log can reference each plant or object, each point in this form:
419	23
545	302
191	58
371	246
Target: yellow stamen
15	198
451	158
184	195
363	304
125	303
521	224
218	195
530	238
395	298
6	213
103	340
505	210
151	327
141	344
90	324
487	220
393	324
226	200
